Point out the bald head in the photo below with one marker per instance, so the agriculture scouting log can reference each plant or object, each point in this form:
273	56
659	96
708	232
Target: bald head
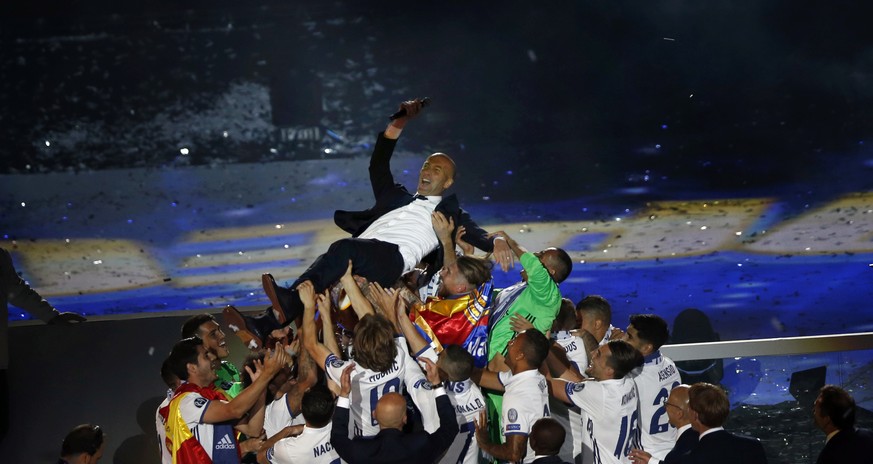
677	406
390	411
437	174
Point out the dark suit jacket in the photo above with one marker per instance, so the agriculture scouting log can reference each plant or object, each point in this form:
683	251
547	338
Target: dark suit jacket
392	445
390	196
847	446
723	447
684	444
16	291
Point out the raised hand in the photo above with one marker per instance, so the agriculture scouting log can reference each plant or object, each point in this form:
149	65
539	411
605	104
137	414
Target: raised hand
482	427
519	323
468	249
307	293
432	371
442	226
503	253
346	381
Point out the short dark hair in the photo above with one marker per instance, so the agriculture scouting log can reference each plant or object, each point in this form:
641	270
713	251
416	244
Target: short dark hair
562	263
192	325
596	306
374	346
536	347
838	405
710	402
244	376
167	374
651	328
184	352
317	405
566	317
547	436
85	438
457	363
624	358
476	271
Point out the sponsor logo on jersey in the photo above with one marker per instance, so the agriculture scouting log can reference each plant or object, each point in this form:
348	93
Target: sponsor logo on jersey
513	427
226	385
200	402
226	443
421	383
578	386
335	362
512	415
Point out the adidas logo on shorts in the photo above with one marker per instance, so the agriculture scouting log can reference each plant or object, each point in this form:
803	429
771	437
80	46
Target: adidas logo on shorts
226	443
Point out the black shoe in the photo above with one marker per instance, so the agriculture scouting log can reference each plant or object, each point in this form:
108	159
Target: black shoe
252	331
279	297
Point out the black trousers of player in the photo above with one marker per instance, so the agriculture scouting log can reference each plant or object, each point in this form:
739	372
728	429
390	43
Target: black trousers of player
375	260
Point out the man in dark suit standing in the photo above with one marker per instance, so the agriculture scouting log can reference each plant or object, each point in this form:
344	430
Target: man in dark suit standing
709	408
391	444
834	413
15	291
389	239
679	416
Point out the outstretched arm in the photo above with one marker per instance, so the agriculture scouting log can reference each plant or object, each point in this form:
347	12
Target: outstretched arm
487	379
360	303
443	228
327	327
514	247
416	342
318	351
22	296
482	240
380	161
560	366
287	432
220	411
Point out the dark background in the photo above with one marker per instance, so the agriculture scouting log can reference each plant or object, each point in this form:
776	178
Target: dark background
576	96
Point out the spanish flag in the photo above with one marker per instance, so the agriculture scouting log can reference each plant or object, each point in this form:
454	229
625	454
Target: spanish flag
181	442
459	320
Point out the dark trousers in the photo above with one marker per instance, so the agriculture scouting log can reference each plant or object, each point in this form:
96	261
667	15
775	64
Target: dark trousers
375	260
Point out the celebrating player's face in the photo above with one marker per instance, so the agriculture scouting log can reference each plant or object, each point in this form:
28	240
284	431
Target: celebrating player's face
206	363
597	367
453	282
214	340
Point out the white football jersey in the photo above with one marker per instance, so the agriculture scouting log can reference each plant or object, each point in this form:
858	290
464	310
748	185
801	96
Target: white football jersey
609	412
368	386
311	446
215	438
575	349
278	415
657	377
525	400
467	399
166	457
567	415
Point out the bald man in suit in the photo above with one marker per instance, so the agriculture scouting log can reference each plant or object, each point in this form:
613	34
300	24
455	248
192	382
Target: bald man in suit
391	444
